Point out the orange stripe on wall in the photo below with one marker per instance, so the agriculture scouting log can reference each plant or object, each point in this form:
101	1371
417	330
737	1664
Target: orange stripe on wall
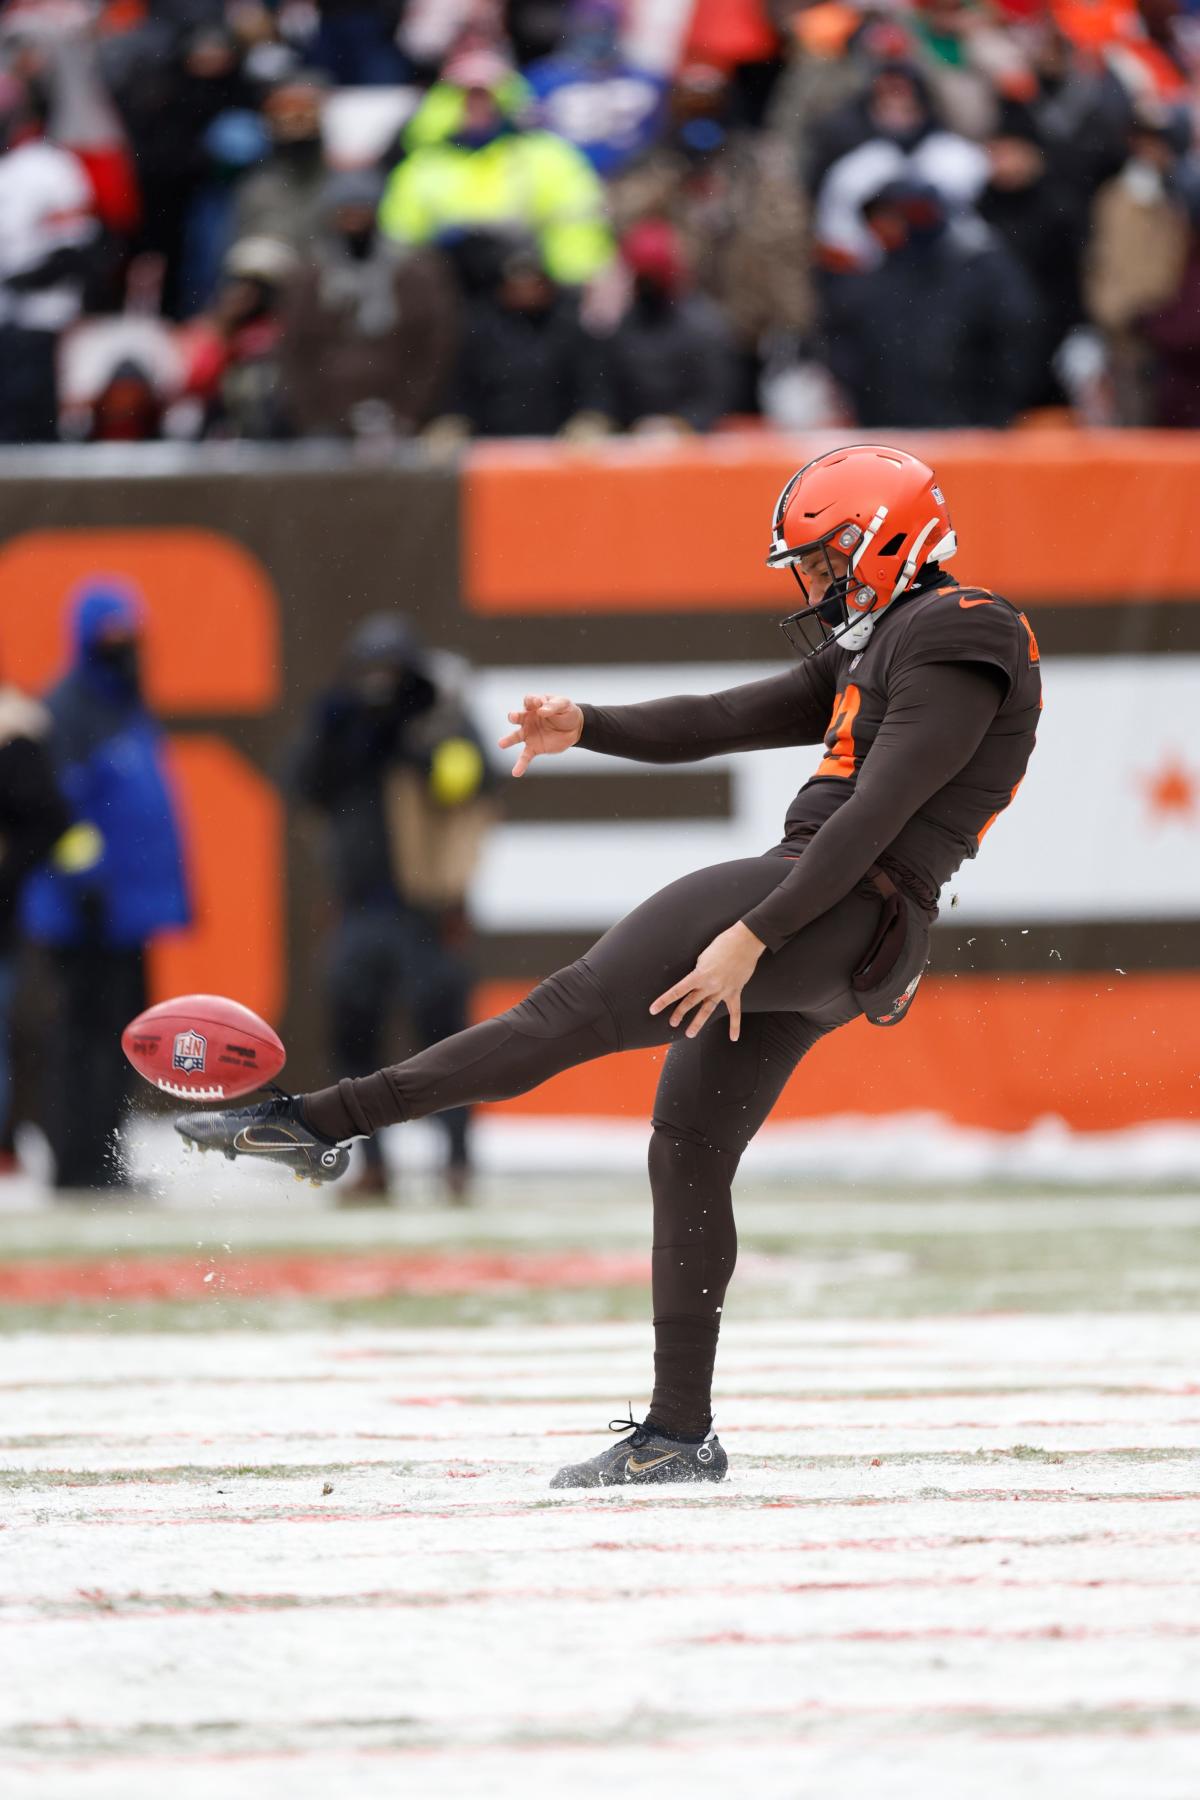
212	635
1098	1051
233	835
635	526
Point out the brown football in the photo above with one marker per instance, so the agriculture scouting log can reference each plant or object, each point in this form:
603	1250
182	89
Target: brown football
203	1047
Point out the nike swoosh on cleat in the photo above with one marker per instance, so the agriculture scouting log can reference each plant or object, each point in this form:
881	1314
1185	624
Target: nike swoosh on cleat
968	604
243	1141
633	1467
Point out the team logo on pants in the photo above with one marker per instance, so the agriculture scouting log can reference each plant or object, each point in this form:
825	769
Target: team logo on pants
189	1052
900	1004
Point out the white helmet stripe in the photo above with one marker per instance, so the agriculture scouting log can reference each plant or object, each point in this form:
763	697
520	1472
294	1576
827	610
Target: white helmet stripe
864	543
946	546
910	562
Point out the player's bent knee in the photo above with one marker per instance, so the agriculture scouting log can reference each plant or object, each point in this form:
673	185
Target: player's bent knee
565	1002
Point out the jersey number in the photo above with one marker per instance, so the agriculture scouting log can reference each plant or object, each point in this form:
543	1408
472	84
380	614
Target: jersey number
839	739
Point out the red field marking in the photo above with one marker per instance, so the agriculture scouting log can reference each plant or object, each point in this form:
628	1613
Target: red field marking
936	1425
89	1383
953	1633
799	1398
390	1353
888	1398
907	1546
329	1277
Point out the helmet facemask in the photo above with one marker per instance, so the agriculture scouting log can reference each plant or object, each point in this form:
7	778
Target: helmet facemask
843	613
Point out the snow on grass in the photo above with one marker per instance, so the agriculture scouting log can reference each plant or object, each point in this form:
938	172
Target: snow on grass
954	1552
959	1550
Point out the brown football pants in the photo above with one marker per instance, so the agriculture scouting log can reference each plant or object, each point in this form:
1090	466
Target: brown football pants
712	1096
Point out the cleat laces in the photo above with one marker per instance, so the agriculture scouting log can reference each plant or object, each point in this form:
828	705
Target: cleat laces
278	1108
640	1434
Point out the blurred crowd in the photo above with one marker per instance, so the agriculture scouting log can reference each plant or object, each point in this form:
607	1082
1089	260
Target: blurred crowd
373	219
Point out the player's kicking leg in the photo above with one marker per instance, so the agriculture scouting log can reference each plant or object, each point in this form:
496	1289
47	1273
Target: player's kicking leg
275	1130
308	1133
596	1006
564	1021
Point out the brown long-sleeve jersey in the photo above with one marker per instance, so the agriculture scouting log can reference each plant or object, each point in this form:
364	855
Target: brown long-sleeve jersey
927	734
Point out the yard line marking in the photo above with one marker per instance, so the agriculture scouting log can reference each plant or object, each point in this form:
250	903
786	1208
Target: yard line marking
178	1474
139	1605
607	1503
794	1722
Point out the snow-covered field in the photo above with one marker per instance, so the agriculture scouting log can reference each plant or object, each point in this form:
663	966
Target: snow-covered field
267	1549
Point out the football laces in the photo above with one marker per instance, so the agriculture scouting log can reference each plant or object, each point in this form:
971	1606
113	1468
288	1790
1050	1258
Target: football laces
180	1092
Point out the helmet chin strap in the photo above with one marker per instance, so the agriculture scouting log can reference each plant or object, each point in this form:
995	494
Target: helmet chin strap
855	636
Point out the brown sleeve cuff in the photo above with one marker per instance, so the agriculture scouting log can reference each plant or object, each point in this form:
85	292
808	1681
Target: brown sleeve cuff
593	736
353	1108
759	922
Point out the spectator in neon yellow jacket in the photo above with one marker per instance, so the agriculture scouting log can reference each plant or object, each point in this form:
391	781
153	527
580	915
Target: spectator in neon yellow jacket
471	167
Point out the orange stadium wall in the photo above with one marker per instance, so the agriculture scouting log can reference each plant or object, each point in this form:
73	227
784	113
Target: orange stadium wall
1065	977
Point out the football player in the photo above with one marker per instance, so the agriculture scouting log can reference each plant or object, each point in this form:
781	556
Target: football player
926	696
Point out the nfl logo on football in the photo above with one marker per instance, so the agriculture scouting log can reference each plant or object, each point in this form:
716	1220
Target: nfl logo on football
189	1052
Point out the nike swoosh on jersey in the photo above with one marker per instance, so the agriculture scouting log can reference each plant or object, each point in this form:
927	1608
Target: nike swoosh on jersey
633	1467
968	604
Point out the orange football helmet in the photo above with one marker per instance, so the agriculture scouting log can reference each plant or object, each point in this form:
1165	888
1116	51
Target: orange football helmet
880	507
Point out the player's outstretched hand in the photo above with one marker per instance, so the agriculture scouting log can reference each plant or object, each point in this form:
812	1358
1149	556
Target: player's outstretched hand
720	974
545	725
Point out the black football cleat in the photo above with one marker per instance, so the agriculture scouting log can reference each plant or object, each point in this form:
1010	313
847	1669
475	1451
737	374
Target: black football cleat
273	1131
644	1458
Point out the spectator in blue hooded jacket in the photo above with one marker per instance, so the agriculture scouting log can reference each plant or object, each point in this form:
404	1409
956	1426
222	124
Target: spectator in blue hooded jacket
96	921
592	95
